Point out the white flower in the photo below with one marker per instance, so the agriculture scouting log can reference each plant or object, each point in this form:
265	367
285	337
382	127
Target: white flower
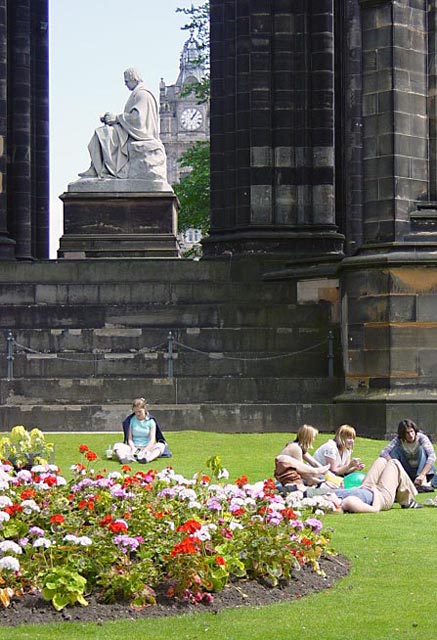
10	563
70	538
84	541
39	468
223	474
24	475
42	542
194	504
29	506
203	534
5	501
9	546
4	517
115	475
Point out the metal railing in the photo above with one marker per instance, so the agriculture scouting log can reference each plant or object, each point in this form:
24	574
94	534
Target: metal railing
13	347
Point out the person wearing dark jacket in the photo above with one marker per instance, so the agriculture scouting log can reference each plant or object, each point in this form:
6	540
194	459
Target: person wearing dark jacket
143	438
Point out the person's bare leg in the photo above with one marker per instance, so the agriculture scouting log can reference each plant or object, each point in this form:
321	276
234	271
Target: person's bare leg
352	504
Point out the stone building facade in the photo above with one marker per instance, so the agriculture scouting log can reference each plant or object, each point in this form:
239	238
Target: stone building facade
24	130
183	121
316	297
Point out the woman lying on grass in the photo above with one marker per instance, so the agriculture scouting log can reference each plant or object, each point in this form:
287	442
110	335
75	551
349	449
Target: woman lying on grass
385	483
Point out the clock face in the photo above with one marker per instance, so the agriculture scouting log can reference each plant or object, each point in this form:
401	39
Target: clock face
191	119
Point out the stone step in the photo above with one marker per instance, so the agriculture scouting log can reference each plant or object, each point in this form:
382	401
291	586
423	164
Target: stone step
159	391
142	339
156	364
132	293
100	270
158	315
225	418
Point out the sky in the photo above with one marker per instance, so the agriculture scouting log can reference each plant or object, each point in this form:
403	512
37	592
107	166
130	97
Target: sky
91	43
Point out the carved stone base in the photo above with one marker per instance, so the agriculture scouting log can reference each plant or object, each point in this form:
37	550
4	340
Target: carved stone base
119	225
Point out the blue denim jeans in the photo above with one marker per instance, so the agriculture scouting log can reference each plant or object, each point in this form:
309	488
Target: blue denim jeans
399	454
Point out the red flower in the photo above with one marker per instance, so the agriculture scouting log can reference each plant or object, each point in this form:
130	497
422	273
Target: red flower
87	504
105	520
190	526
15	508
27	494
307	541
126	468
241	481
269	485
187	545
221	561
57	518
238	512
83	448
289	514
50	481
117	527
90	455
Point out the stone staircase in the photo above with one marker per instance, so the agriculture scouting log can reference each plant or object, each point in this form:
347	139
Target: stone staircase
89	336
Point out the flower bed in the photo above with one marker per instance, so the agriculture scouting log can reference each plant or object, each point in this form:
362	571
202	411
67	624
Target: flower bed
123	534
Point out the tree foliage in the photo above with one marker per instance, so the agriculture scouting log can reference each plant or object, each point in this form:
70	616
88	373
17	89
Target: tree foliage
198	25
194	188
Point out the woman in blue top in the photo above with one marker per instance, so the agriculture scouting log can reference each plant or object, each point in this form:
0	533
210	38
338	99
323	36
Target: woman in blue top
141	436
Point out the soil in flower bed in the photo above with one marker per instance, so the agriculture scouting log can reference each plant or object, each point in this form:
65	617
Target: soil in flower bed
34	610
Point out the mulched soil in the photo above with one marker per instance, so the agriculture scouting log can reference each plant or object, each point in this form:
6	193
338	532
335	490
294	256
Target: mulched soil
34	610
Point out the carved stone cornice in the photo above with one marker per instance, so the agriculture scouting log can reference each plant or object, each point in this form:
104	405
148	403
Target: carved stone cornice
368	4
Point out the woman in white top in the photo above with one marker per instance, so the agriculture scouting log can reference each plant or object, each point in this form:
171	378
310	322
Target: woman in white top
337	452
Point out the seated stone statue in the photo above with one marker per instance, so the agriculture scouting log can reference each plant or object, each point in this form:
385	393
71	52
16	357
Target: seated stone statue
127	146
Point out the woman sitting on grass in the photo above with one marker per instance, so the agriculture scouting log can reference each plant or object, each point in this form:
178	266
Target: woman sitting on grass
291	472
416	454
337	452
143	438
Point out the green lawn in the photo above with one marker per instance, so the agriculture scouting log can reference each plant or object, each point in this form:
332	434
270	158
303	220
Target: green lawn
389	593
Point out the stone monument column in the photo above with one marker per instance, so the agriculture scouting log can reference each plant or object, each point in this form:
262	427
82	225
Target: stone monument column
19	142
272	129
24	130
389	309
7	245
40	119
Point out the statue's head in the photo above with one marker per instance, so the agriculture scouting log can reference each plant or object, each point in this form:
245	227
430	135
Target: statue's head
132	77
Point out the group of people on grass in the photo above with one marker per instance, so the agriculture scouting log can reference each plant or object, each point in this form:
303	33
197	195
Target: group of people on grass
405	467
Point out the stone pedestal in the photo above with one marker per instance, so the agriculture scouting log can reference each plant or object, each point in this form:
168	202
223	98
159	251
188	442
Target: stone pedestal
119	225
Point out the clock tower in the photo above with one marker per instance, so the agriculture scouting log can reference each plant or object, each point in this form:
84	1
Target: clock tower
183	121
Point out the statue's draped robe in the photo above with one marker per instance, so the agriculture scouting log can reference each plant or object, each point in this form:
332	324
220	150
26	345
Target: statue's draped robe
109	146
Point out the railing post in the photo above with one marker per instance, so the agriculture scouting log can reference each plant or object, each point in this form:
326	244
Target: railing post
330	354
170	355
10	357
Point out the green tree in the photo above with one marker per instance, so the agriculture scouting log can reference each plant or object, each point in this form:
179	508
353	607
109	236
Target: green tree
193	189
198	25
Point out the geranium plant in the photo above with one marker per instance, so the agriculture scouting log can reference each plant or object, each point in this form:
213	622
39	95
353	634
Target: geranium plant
24	448
124	535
